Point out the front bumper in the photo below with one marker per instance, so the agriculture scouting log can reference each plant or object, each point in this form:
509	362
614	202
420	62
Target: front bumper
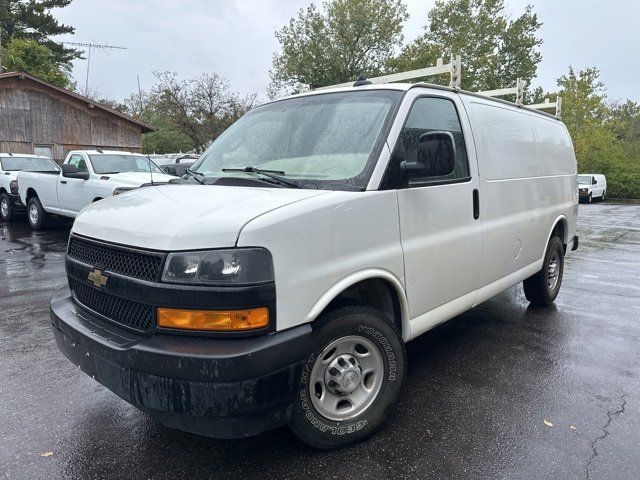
224	388
16	203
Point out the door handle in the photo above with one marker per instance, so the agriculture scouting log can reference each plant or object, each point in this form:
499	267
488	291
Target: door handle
63	181
476	204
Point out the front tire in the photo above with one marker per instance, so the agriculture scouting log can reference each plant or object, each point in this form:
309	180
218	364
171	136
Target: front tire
36	214
351	379
6	209
590	198
542	288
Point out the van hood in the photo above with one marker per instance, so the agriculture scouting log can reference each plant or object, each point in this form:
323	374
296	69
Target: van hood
135	179
182	217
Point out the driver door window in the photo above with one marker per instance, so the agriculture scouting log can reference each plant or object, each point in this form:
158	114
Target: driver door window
79	162
432	114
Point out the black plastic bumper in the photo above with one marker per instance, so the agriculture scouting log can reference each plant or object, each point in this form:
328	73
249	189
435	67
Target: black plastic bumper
224	388
16	202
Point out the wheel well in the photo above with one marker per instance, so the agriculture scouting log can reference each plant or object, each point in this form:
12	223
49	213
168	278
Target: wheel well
560	230
31	193
96	199
2	190
375	292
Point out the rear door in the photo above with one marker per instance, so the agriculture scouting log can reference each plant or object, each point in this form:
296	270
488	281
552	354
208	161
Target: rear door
440	232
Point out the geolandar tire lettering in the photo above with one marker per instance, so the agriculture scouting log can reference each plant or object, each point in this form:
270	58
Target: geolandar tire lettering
350	380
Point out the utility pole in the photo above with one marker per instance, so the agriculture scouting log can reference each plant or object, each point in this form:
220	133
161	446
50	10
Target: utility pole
89	47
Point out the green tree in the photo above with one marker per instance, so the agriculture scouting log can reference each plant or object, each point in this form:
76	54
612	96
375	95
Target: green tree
495	49
335	45
605	137
32	19
187	114
29	56
625	122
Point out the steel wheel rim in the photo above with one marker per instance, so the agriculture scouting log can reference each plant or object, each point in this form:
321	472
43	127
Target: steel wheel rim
346	378
553	272
4	207
33	214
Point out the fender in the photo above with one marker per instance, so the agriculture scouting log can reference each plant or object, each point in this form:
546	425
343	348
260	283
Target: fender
352	279
565	223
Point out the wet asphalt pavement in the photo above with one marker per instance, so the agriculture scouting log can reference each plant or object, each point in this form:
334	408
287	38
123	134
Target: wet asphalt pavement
479	388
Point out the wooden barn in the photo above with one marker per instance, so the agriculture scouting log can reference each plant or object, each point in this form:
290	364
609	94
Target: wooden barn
41	118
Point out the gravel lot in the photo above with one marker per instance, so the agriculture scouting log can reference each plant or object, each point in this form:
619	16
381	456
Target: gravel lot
480	387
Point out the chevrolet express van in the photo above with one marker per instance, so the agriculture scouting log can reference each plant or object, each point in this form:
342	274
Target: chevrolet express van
279	283
592	186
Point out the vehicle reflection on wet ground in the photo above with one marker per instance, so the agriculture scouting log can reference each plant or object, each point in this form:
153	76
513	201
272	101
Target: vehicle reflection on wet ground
479	390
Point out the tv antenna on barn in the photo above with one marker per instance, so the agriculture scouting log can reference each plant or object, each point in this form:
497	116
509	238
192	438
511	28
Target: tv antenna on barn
90	46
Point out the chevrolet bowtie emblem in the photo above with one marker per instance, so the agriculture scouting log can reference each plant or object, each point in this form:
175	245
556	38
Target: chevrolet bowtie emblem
97	278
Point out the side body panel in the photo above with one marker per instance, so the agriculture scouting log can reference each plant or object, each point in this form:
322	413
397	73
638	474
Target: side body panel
5	179
45	185
334	239
527	183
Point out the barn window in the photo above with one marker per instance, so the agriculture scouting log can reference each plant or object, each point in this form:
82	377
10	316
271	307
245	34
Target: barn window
44	150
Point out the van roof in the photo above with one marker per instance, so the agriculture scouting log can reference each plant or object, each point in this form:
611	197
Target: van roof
408	86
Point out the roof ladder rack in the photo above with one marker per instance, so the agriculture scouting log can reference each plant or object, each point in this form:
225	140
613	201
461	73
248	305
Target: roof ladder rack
454	69
518	91
547	104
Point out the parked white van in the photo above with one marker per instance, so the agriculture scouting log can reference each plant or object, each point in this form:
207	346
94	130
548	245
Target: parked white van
317	235
592	186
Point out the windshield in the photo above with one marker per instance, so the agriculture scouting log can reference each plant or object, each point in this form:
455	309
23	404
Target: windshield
584	179
107	163
327	140
16	164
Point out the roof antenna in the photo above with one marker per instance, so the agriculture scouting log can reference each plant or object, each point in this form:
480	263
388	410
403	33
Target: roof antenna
362	80
144	134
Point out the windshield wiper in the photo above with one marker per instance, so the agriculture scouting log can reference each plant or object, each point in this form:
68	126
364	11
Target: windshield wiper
273	174
195	176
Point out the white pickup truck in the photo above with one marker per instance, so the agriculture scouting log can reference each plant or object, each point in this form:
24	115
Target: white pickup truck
86	176
10	165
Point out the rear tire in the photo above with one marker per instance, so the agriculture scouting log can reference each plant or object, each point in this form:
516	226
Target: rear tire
36	214
604	196
542	288
351	380
6	209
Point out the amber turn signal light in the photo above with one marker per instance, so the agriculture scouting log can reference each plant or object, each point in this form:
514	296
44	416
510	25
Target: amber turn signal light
214	320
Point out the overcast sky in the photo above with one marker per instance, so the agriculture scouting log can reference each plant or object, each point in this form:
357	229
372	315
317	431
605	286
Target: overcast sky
235	39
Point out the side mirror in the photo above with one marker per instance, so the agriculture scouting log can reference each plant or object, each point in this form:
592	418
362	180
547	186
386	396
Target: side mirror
71	171
436	156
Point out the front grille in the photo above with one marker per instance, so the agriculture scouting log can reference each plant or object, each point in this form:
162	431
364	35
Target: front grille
128	262
125	312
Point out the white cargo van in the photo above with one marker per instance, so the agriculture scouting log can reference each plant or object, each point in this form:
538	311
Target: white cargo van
316	236
592	186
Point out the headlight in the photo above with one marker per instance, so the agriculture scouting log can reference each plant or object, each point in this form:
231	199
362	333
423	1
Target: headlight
120	190
13	186
238	266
